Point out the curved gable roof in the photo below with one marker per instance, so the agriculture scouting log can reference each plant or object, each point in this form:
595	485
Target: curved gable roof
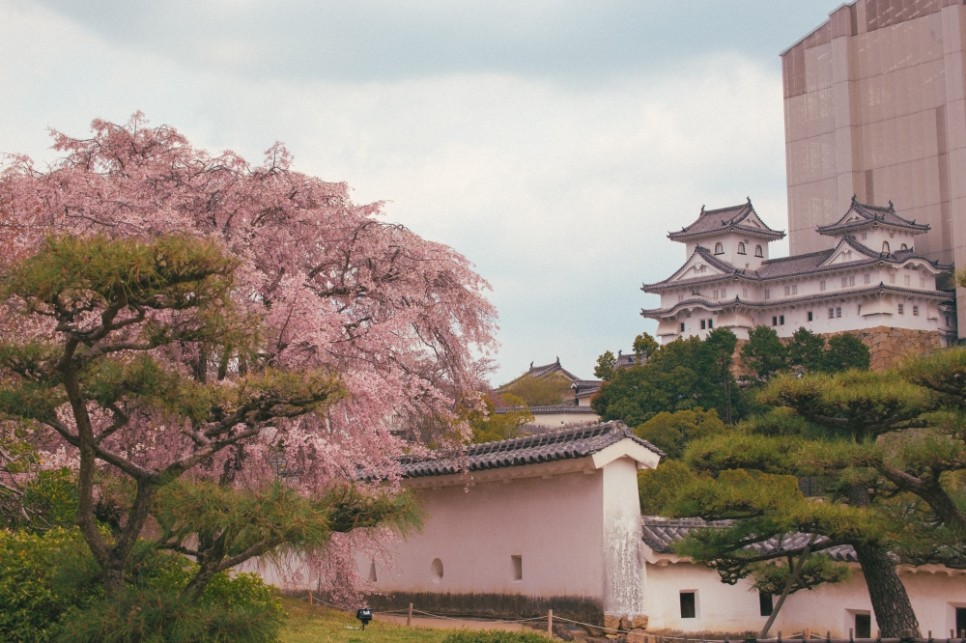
700	256
861	216
735	218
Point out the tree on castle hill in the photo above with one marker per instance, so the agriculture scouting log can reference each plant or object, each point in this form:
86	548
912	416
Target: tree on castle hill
805	352
686	374
884	458
205	341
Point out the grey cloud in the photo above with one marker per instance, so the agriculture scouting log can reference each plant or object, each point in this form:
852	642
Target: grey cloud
377	40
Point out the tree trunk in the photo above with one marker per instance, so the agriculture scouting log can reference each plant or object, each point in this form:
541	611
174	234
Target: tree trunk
893	611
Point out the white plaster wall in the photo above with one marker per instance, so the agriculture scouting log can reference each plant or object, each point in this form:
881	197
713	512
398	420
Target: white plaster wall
735	608
623	548
557	420
553	523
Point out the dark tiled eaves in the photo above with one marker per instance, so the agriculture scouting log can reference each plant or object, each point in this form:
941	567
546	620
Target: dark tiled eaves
547	410
660	534
713	223
547	447
870	216
778	303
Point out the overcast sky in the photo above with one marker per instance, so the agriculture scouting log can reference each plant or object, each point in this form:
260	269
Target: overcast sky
554	143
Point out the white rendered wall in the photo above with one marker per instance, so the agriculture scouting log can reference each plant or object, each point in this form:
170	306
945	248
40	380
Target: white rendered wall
553	524
735	608
623	546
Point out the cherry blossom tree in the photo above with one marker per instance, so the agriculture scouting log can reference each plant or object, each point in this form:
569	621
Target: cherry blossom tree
167	313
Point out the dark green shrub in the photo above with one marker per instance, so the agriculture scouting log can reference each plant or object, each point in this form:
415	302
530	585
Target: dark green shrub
50	591
238	610
41	576
495	637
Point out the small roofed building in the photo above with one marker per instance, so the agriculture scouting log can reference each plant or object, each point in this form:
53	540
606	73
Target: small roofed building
516	527
553	395
870	280
685	596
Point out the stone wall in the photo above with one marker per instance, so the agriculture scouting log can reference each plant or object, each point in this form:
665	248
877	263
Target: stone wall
889	346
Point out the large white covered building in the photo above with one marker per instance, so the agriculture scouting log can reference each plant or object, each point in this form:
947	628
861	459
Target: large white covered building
871	276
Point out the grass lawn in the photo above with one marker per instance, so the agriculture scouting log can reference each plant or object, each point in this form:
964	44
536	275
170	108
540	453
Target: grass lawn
323	625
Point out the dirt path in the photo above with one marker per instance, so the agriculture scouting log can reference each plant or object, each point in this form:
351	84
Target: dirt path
452	623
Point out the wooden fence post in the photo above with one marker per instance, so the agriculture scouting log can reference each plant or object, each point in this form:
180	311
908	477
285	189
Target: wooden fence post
550	623
310	598
409	615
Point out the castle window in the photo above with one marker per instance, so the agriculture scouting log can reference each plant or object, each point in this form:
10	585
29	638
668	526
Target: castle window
741	248
848	281
774	321
765	605
767	293
915	311
702	324
902	309
809	315
885	248
437	570
689	604
863	625
838	311
903	247
758	251
516	563
831	313
682	327
719	248
781	320
710	323
821	285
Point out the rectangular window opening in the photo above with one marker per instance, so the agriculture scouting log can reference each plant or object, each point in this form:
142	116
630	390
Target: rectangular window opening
765	604
863	625
961	622
688	605
809	316
516	562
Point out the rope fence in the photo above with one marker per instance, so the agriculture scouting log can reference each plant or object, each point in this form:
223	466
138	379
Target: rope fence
807	636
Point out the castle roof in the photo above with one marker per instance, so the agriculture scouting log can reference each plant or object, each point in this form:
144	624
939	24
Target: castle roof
566	444
796	266
736	218
862	216
660	534
540	372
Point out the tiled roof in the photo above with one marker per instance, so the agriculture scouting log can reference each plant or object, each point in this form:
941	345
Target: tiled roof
737	217
549	447
729	272
539	372
795	266
862	215
780	302
660	534
544	410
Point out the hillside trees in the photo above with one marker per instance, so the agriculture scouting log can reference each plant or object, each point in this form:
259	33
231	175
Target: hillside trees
167	313
683	375
804	352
